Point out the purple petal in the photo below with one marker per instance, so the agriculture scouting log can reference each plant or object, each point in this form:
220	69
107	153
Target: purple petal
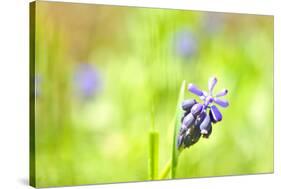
222	93
200	119
209	132
196	135
187	141
221	102
180	141
205	125
212	82
192	88
196	109
187	104
215	114
185	114
187	121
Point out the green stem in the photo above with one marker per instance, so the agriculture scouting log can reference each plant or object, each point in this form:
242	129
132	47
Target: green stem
166	170
153	154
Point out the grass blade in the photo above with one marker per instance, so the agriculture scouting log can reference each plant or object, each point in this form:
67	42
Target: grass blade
177	124
153	154
153	150
165	171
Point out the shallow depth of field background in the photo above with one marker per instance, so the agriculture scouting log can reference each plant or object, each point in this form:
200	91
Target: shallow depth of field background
100	70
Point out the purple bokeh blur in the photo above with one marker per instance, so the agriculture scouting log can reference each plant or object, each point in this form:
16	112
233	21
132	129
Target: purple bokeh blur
87	80
186	43
212	23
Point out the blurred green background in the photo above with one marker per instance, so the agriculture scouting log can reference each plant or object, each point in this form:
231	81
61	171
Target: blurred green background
101	69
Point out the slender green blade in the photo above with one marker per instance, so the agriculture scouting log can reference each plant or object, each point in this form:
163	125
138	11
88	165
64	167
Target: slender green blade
153	160
176	125
153	154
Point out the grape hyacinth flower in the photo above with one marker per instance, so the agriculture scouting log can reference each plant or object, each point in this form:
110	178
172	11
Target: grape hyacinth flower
198	118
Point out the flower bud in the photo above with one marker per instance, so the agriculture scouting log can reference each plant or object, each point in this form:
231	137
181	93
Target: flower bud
187	121
192	136
187	104
209	133
196	135
205	125
222	93
180	141
196	109
200	119
215	114
221	102
212	82
192	88
187	141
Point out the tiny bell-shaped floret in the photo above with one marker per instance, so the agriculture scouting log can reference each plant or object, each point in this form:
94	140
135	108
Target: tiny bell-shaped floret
187	104
196	109
215	114
212	82
221	102
187	122
222	93
205	125
192	88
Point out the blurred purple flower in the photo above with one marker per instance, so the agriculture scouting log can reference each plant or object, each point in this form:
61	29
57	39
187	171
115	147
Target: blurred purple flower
212	22
87	80
197	120
186	44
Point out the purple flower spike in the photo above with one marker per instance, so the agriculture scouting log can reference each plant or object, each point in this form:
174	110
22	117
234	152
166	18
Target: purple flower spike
215	114
212	82
198	118
222	93
192	88
222	103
